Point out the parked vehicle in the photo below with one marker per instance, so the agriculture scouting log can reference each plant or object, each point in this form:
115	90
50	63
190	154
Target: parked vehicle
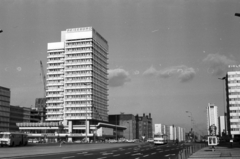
13	139
150	140
33	141
159	139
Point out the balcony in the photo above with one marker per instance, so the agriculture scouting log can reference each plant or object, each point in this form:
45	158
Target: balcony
55	83
78	87
77	117
79	75
78	69
78	111
54	89
78	81
54	112
55	95
55	78
78	99
55	72
54	119
54	101
54	107
78	93
55	61
233	84
78	57
76	51
55	67
56	55
71	45
79	63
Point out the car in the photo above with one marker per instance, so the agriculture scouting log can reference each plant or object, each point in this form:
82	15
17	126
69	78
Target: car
150	140
78	141
130	141
33	141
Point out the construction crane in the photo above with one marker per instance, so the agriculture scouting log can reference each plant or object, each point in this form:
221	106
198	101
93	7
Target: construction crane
44	79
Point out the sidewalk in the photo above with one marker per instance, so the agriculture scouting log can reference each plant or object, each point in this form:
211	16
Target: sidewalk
223	151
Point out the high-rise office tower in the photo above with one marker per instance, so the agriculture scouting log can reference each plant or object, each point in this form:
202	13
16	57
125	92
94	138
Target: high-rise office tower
212	117
77	78
233	102
4	108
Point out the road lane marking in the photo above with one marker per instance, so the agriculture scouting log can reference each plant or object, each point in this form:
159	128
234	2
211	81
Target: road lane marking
88	154
116	155
82	153
68	157
169	155
146	156
101	157
136	154
107	153
127	152
153	153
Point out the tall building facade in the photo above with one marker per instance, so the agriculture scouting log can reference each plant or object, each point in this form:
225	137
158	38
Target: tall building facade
233	102
221	125
212	117
160	129
77	78
4	108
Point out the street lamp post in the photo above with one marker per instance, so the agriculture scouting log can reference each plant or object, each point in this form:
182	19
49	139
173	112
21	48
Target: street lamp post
129	129
225	114
116	127
191	118
192	122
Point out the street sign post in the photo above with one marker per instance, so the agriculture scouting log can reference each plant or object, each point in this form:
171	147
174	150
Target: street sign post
212	139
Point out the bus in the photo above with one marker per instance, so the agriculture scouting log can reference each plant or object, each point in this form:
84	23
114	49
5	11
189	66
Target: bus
13	139
159	139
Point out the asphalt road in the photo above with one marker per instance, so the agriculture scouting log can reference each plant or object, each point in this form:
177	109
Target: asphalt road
144	151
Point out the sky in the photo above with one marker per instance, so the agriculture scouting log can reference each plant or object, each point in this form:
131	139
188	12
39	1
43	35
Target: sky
165	56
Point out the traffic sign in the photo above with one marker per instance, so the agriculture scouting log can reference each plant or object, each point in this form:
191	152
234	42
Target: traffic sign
212	140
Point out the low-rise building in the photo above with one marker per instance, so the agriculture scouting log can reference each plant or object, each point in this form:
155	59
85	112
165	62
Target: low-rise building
144	126
126	120
54	131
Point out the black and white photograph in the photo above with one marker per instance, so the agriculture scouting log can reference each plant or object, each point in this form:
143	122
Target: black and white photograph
119	79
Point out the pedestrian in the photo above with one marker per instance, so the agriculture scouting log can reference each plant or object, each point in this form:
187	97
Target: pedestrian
62	142
176	141
231	143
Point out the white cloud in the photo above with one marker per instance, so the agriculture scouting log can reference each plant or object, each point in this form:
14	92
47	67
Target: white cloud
182	72
218	64
118	77
136	72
